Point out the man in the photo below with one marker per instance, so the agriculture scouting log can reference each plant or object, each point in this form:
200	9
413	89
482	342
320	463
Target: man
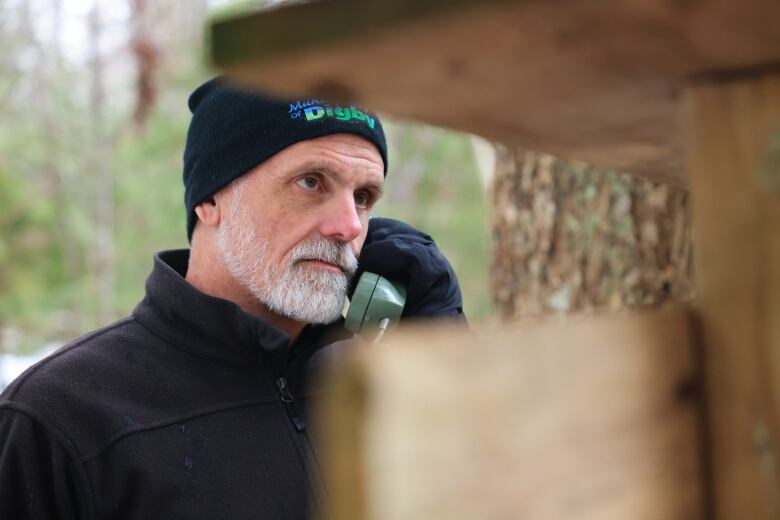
194	406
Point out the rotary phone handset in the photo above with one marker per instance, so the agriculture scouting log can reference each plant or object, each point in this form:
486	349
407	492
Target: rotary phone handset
376	305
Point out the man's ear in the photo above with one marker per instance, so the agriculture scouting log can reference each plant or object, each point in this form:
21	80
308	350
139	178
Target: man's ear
208	212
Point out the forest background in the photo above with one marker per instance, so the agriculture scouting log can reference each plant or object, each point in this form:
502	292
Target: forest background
93	119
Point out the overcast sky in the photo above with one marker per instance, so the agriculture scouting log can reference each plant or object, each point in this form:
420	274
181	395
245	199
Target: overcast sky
75	13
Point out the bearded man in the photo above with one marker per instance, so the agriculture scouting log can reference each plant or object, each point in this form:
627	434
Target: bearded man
195	405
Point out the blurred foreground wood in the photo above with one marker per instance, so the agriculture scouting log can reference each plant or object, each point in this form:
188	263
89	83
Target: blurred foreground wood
587	418
734	161
596	81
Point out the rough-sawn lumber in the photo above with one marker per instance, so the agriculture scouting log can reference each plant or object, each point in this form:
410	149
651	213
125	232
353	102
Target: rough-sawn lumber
597	81
594	418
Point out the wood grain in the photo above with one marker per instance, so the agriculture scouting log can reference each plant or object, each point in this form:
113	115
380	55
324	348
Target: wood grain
588	418
733	129
598	82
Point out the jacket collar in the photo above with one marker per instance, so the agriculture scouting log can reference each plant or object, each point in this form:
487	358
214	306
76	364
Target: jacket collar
204	325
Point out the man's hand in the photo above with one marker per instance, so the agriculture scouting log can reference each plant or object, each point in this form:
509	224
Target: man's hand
401	253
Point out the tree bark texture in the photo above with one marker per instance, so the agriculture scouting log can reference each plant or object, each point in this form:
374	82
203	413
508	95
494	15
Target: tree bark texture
568	237
104	247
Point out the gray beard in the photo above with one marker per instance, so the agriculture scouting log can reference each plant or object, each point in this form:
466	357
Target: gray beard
290	289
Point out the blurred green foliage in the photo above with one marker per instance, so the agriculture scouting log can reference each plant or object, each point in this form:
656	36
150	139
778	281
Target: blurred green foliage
48	178
433	184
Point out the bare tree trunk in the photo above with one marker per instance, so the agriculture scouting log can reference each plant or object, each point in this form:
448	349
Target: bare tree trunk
56	36
570	238
49	65
104	185
197	12
146	57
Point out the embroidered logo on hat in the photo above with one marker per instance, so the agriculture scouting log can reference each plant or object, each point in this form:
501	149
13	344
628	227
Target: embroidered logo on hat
315	109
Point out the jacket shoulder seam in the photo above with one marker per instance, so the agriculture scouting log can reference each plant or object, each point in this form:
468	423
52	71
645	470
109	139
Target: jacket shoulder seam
162	423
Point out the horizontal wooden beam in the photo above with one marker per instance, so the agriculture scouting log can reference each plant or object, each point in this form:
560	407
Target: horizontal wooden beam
593	81
594	418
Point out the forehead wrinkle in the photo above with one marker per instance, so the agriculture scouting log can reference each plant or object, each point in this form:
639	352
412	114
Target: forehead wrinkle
346	144
360	155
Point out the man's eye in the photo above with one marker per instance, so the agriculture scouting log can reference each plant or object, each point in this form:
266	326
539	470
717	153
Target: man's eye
362	199
308	183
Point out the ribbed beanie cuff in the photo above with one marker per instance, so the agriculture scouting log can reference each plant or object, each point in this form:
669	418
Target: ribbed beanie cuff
233	130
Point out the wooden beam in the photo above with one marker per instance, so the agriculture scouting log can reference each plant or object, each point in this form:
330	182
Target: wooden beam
594	418
593	81
733	128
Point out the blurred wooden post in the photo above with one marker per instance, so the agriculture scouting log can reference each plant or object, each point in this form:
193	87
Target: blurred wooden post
594	418
596	82
734	166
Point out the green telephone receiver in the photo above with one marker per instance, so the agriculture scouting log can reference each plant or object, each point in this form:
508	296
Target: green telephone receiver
376	304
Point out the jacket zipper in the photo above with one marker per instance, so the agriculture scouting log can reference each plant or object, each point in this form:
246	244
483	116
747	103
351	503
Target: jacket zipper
287	399
320	492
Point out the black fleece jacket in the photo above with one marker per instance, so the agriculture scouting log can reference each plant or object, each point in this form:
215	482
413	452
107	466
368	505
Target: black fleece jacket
175	412
189	408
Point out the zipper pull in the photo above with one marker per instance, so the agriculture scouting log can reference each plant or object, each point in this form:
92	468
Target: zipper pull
298	423
284	391
287	398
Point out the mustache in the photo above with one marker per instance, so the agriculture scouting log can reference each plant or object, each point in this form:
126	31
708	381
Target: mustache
325	250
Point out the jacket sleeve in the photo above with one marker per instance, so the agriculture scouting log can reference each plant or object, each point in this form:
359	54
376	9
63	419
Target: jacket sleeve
37	475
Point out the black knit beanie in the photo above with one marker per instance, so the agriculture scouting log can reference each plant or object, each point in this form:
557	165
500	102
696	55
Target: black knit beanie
233	130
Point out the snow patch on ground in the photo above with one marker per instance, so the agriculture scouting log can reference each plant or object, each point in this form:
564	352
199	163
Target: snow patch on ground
11	365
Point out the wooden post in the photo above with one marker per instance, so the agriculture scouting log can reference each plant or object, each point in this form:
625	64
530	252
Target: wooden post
593	418
733	127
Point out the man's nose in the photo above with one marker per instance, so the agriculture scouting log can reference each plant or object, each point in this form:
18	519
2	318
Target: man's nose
341	220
